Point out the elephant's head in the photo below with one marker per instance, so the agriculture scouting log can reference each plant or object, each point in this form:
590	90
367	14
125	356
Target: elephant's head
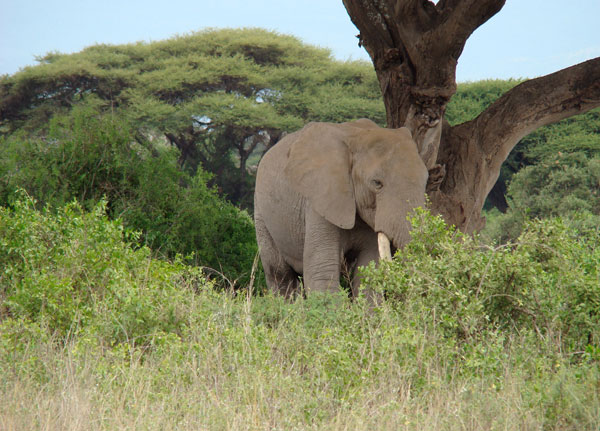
359	168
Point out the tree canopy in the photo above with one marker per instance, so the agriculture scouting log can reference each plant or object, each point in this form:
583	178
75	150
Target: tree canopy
220	96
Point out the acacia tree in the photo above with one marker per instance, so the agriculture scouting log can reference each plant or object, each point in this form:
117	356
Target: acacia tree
220	96
415	46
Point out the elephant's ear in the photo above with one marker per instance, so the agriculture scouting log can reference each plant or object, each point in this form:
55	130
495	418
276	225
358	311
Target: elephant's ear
318	167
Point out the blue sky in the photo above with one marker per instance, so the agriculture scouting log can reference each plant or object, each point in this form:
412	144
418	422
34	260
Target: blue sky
527	38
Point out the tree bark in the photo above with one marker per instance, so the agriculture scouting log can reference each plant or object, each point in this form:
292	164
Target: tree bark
415	46
473	152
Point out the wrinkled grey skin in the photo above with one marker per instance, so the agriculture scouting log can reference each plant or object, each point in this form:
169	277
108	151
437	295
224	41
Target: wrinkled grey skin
322	195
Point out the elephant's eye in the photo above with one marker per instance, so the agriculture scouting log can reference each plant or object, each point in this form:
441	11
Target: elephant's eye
377	185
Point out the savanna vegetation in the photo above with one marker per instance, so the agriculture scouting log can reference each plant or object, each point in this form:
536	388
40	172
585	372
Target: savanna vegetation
122	173
97	334
219	97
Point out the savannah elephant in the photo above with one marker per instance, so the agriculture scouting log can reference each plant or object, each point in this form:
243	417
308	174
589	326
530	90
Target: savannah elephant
323	196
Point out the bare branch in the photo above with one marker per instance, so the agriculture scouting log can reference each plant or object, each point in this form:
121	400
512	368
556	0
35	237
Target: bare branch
536	103
473	152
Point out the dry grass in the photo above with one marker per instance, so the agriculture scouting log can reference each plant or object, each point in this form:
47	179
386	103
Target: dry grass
74	403
204	387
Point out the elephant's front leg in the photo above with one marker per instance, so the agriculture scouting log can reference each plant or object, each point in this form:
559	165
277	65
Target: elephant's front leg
322	254
368	253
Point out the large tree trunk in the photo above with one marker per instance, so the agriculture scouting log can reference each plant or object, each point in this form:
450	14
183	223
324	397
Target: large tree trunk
415	46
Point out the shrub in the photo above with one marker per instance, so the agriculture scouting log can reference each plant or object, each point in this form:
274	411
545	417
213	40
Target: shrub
547	282
88	157
111	337
74	271
564	184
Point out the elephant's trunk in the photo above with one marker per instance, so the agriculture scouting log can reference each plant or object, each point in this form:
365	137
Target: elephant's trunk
383	242
391	223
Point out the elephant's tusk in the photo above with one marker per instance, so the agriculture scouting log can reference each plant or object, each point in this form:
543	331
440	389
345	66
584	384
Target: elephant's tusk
383	242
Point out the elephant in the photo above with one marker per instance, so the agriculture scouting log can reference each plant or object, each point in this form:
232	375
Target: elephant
332	196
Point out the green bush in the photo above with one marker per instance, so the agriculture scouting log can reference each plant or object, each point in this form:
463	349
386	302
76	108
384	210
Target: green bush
564	184
74	271
88	157
547	282
503	338
472	98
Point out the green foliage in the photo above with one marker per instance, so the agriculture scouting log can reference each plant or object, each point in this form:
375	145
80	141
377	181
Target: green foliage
222	97
502	337
89	157
547	282
575	134
71	272
505	338
472	98
563	184
217	95
572	135
542	148
83	156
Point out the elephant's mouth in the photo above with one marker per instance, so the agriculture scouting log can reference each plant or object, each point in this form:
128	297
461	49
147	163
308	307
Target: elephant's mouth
384	246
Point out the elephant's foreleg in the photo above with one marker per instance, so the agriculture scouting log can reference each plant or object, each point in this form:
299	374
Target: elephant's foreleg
284	280
366	255
322	254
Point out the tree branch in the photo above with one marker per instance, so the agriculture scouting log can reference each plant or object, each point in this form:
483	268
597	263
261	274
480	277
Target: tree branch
416	15
369	20
414	46
533	104
473	152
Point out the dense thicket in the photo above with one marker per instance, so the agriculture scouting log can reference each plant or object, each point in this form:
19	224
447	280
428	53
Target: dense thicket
546	281
76	272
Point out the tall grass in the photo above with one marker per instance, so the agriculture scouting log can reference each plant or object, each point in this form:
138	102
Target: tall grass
216	360
238	372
